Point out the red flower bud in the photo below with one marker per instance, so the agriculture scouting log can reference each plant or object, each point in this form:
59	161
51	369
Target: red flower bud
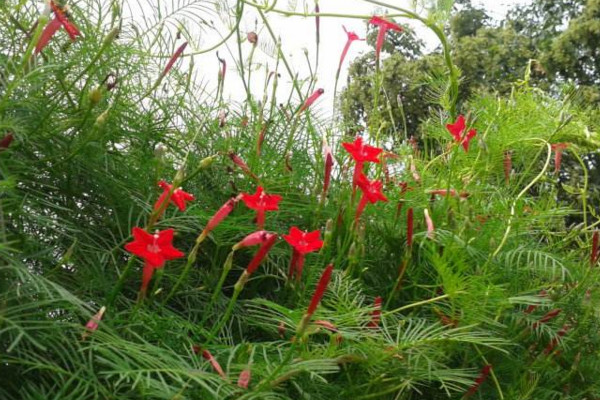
595	254
244	379
320	290
174	58
261	253
550	315
485	371
214	363
409	227
376	314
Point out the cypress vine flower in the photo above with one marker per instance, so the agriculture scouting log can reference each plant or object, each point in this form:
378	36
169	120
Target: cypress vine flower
155	250
311	99
218	217
328	165
384	26
320	290
351	37
558	151
92	324
550	315
361	153
49	30
173	59
178	197
457	130
237	160
485	371
302	244
261	254
429	222
261	202
71	29
214	363
562	332
258	237
376	314
244	379
595	251
409	227
371	193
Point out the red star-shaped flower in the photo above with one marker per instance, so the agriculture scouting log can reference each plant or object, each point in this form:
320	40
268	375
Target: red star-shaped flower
303	243
261	202
178	197
384	26
155	249
371	193
361	153
457	130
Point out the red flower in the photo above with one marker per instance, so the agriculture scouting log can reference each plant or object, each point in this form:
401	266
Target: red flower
219	216
261	202
595	242
214	363
258	237
174	58
507	166
384	26
92	324
71	29
457	130
311	99
361	153
351	37
6	141
154	249
178	197
320	290
371	193
244	379
376	314
558	150
261	253
49	30
303	243
409	227
429	222
485	371
562	332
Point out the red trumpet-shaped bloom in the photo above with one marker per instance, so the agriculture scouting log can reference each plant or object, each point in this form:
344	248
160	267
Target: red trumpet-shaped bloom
49	30
351	37
361	153
302	244
371	193
595	255
178	197
485	371
311	99
458	132
384	26
71	29
376	314
261	253
174	58
261	202
320	290
154	249
558	149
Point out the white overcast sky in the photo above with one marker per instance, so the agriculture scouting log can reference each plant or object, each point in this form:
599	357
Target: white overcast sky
298	34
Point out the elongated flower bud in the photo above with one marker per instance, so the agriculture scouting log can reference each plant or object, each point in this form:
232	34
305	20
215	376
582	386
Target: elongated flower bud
92	324
311	99
244	379
214	363
320	290
409	227
550	315
376	314
327	325
328	165
241	164
218	217
429	222
562	332
258	237
507	166
485	371
595	243
174	59
49	30
261	253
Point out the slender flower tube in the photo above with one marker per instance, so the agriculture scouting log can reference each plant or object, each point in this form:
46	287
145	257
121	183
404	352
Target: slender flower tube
261	253
6	141
429	222
311	99
222	71
507	166
92	324
550	315
328	165
351	37
562	332
460	134
302	244
217	218
558	151
372	193
214	363
237	160
71	29
485	371
409	227
595	250
174	59
244	379
384	26
317	22
376	314
49	30
316	299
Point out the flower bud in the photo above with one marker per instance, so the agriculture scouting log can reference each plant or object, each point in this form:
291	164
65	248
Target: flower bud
95	96
252	37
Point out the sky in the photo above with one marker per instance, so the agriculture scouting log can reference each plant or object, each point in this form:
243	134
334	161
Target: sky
298	35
